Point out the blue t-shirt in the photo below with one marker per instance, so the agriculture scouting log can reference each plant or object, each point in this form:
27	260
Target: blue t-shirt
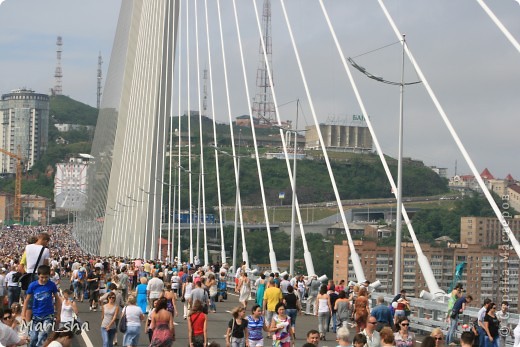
458	305
43	304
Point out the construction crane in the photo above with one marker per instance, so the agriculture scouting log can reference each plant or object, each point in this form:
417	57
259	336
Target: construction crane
458	275
18	183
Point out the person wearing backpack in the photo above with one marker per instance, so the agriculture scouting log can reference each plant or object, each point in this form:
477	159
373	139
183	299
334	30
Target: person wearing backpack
82	274
13	286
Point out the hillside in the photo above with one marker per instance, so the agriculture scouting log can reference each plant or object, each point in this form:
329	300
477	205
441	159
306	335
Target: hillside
66	110
357	175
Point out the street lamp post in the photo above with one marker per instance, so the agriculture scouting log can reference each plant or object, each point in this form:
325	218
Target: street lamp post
398	229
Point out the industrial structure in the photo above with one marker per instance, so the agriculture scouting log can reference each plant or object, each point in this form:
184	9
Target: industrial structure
340	138
24	127
58	73
99	80
263	105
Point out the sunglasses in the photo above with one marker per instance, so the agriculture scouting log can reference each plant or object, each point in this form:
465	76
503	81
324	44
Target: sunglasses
7	317
439	338
405	324
372	322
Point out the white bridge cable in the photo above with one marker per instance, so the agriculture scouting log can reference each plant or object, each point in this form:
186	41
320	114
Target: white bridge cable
307	255
453	133
212	100
115	212
151	112
131	133
179	140
272	256
423	261
176	187
499	24
236	159
356	262
201	169
190	259
168	67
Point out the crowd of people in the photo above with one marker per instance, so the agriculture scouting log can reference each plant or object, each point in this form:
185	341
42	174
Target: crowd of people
135	296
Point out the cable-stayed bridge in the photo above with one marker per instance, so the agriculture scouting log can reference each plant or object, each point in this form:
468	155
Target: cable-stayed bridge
165	57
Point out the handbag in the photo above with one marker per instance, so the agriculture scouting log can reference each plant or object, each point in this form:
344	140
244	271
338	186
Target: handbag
28	278
122	322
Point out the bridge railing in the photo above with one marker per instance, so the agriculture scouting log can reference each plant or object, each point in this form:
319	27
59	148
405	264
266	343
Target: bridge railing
425	315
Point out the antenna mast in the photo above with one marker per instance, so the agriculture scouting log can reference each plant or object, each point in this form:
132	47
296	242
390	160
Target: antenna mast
263	106
58	74
205	93
99	80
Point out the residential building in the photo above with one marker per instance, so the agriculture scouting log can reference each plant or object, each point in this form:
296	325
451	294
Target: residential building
441	171
513	195
489	272
6	208
64	127
70	183
469	182
24	128
486	231
35	209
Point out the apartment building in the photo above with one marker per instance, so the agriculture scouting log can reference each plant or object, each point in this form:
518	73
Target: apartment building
24	128
488	273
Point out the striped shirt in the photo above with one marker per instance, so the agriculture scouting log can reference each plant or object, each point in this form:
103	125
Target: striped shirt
255	328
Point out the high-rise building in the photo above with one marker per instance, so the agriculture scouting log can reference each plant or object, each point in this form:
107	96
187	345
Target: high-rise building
70	183
486	231
488	273
24	128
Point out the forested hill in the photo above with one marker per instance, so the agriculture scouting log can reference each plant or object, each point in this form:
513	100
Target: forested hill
66	110
357	175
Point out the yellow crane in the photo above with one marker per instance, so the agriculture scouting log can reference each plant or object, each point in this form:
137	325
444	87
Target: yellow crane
18	183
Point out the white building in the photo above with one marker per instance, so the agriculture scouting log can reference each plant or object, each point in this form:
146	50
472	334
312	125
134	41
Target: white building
64	127
70	183
24	127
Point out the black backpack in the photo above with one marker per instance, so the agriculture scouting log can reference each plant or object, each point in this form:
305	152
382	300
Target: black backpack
16	277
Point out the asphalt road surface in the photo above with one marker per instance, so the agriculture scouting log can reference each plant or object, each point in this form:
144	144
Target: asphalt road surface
217	324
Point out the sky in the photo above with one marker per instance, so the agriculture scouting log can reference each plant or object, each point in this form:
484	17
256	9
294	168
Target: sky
472	68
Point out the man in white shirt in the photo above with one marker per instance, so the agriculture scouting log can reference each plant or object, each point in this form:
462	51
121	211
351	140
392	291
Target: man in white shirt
13	287
284	284
154	289
480	320
373	337
32	253
505	326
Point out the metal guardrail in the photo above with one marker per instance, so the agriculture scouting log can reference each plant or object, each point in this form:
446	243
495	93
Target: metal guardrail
428	315
425	315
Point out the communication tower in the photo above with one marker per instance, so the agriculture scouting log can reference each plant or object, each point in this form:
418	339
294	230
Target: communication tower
263	106
58	74
205	93
99	80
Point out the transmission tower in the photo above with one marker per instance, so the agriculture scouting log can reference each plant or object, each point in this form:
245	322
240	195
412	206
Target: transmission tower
58	73
263	106
99	80
205	93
